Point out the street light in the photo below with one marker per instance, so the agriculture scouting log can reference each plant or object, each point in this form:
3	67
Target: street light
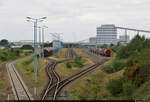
35	21
39	46
43	27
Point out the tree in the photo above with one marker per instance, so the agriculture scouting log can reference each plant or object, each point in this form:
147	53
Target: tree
4	42
27	47
48	44
133	48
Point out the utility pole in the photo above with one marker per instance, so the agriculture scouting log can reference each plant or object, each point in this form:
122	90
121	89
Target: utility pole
35	21
126	35
39	46
43	27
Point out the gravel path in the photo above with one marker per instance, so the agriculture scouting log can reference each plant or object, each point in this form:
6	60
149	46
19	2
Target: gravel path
19	88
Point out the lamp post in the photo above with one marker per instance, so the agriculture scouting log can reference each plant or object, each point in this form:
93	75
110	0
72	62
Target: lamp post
35	21
39	46
43	27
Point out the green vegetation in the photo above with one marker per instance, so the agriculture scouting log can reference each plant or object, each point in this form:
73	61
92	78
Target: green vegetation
26	68
114	86
9	54
27	62
26	53
78	61
137	71
4	42
115	66
93	87
60	55
68	65
65	69
27	47
125	76
6	55
128	88
3	88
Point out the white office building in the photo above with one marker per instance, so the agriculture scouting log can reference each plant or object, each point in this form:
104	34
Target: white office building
106	34
123	38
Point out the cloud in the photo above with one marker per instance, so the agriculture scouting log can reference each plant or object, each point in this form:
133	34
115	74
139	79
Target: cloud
77	19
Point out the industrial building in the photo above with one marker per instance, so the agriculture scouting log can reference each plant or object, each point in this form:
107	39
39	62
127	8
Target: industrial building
106	34
124	39
92	40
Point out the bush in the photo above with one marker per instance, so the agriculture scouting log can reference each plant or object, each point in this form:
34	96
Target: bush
3	58
68	65
114	86
128	88
82	97
136	45
9	54
117	65
138	69
95	88
27	53
78	61
27	47
107	68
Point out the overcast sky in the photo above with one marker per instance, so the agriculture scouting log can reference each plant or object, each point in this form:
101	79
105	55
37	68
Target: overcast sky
76	19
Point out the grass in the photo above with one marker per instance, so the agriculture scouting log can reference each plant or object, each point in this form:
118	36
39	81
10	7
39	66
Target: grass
63	71
93	86
3	87
26	68
60	55
143	92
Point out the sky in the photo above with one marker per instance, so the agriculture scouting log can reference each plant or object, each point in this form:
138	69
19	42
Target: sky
75	19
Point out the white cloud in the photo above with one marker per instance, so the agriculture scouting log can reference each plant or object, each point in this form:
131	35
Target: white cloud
77	18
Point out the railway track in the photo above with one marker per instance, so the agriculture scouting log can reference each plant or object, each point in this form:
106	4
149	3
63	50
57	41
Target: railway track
19	89
54	78
61	84
70	53
55	84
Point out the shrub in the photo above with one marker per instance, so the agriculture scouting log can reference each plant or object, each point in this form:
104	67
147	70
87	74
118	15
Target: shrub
107	68
27	53
138	69
128	88
68	65
114	86
82	97
95	88
27	47
3	58
78	61
118	65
